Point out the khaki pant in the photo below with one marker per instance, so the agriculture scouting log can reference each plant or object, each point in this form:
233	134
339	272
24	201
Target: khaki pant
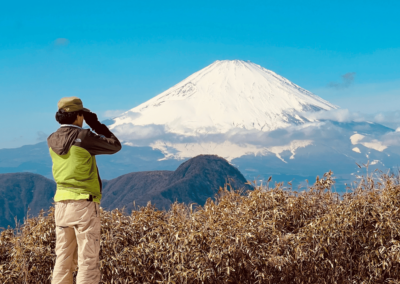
77	242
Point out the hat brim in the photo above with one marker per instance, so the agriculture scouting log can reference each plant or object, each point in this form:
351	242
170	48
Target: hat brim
85	109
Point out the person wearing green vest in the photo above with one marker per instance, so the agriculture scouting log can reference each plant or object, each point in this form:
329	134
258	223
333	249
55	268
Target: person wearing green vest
79	189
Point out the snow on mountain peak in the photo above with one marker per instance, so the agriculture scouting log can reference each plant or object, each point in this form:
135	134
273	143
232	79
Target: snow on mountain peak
224	95
231	107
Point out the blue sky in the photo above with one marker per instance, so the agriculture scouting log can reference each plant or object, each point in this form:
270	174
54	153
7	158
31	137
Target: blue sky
116	55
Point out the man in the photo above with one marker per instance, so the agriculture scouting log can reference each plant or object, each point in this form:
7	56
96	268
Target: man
78	194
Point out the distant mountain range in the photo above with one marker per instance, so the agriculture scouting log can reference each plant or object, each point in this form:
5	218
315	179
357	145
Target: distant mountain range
194	181
36	159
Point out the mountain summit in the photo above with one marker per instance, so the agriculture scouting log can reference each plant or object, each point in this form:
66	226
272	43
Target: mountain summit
224	95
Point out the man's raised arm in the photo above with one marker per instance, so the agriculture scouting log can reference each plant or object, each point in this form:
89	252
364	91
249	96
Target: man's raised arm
104	142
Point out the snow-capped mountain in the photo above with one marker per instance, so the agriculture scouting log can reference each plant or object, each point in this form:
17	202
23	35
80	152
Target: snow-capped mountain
225	95
246	113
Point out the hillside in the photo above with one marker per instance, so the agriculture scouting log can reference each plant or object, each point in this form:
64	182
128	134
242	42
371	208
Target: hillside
20	191
194	181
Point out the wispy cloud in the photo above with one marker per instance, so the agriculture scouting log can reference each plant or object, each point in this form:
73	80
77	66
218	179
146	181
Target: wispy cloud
347	81
41	136
113	113
339	115
61	42
142	135
366	97
387	118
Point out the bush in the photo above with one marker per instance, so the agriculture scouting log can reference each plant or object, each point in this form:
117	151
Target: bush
268	235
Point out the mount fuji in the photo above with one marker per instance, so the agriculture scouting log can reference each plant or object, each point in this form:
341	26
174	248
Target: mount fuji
256	119
227	95
228	98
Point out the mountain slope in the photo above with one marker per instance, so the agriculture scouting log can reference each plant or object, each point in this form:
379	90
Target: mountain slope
194	181
20	191
227	94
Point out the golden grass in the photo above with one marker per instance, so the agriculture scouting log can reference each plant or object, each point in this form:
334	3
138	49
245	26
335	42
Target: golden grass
269	235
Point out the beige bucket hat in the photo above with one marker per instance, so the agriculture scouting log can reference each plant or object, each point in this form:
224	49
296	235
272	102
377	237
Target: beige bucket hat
71	104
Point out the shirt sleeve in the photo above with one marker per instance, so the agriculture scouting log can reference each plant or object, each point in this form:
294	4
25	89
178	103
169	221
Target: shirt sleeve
98	144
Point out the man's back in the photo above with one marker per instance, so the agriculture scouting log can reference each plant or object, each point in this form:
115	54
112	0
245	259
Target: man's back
73	151
77	210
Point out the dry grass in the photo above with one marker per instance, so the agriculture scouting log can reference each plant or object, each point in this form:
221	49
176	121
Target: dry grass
269	235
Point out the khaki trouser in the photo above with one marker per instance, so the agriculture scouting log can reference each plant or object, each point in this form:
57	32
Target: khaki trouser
77	242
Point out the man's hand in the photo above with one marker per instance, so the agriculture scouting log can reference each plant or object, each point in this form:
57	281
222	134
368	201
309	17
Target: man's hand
94	123
91	119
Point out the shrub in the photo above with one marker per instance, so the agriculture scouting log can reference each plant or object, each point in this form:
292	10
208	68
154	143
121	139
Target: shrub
268	235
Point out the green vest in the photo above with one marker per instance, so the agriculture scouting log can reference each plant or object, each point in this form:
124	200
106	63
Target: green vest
76	175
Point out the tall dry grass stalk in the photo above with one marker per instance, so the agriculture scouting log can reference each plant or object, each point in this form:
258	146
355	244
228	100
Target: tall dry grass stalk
269	235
